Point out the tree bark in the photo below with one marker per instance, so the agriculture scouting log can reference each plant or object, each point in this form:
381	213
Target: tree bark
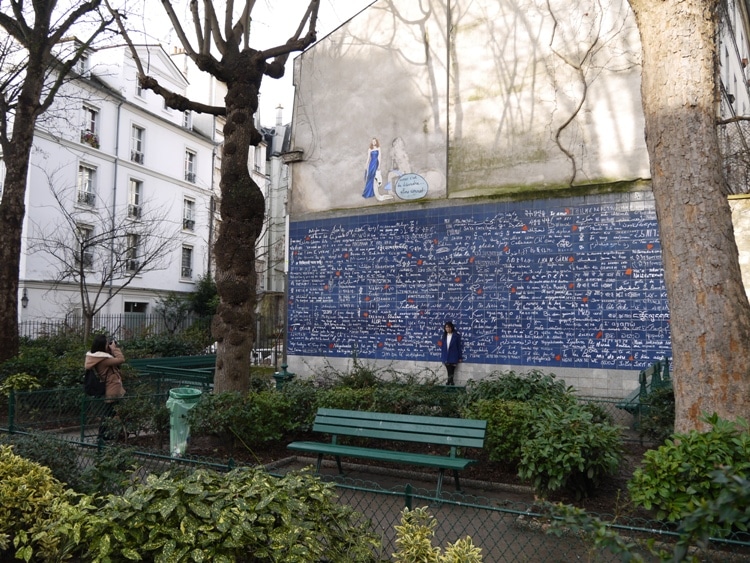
709	310
242	215
16	154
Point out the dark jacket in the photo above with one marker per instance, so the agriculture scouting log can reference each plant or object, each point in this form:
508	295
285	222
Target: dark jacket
454	353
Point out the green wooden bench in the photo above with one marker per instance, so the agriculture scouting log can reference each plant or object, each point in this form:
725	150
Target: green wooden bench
654	377
190	362
453	433
183	371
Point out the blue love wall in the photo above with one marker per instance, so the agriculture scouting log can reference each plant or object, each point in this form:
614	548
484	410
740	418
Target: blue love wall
575	283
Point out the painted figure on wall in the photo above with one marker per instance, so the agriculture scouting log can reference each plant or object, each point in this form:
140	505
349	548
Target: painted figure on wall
372	172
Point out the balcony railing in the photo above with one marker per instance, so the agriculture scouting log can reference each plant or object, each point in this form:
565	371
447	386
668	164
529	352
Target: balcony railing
134	211
187	273
190	177
188	224
86	198
136	156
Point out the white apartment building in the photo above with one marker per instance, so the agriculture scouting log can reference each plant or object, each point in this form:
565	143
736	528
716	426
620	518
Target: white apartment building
110	157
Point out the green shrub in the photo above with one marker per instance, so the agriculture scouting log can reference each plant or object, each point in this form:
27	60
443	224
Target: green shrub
302	393
208	516
417	397
414	540
140	413
720	517
657	416
110	472
675	479
509	386
27	493
354	399
569	450
252	418
59	456
509	426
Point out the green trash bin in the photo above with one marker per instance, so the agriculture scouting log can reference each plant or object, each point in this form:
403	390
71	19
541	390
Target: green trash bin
180	401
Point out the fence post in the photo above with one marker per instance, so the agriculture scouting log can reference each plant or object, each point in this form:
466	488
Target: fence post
83	418
407	496
11	410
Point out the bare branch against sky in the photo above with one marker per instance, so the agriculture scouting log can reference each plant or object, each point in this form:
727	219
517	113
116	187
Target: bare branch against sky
270	21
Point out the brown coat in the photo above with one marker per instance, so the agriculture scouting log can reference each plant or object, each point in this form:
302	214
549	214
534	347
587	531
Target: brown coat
108	366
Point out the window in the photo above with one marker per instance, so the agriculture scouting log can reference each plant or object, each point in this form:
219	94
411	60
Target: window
138	87
188	214
132	264
258	158
82	65
134	199
86	185
90	128
190	166
135	307
187	262
187	119
136	144
84	255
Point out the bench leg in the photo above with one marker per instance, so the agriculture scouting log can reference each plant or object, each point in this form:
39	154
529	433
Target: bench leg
439	483
458	485
338	463
320	461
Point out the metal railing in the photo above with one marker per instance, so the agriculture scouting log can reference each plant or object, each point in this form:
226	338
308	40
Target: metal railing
505	530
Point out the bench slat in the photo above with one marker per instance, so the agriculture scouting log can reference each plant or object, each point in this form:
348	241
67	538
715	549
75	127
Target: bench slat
412	418
401	435
426	460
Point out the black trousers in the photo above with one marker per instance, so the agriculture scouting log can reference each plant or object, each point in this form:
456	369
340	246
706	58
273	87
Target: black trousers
451	370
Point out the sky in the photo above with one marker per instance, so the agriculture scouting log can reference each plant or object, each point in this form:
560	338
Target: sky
274	21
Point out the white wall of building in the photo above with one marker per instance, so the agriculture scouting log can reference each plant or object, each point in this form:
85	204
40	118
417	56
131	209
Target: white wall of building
108	89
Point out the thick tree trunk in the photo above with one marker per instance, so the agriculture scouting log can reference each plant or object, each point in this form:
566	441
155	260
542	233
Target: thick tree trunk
17	152
709	310
242	214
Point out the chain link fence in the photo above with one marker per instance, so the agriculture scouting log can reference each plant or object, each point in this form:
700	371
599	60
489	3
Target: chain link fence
505	530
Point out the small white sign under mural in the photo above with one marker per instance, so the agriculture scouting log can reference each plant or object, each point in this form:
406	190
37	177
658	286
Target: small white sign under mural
411	186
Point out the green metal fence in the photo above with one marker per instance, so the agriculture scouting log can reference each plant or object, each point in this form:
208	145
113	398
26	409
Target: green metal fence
504	530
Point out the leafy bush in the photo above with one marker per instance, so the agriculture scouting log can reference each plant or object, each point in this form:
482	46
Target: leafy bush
719	517
676	478
302	393
347	398
60	457
110	472
414	540
569	450
27	493
413	396
252	418
141	413
657	417
509	386
208	516
509	426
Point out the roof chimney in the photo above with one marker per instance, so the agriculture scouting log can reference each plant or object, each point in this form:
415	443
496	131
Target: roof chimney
279	112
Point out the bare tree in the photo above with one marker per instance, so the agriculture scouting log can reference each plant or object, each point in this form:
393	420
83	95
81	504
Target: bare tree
709	310
221	48
101	251
30	78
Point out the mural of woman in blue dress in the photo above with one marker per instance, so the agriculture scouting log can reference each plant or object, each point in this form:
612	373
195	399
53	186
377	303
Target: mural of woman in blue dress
372	173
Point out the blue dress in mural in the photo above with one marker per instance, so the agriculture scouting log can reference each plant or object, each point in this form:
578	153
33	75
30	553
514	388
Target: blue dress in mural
372	167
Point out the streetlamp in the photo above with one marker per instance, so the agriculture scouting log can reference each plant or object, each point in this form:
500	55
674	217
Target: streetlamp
24	299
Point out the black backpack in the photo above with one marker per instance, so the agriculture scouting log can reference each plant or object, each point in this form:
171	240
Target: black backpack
92	385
